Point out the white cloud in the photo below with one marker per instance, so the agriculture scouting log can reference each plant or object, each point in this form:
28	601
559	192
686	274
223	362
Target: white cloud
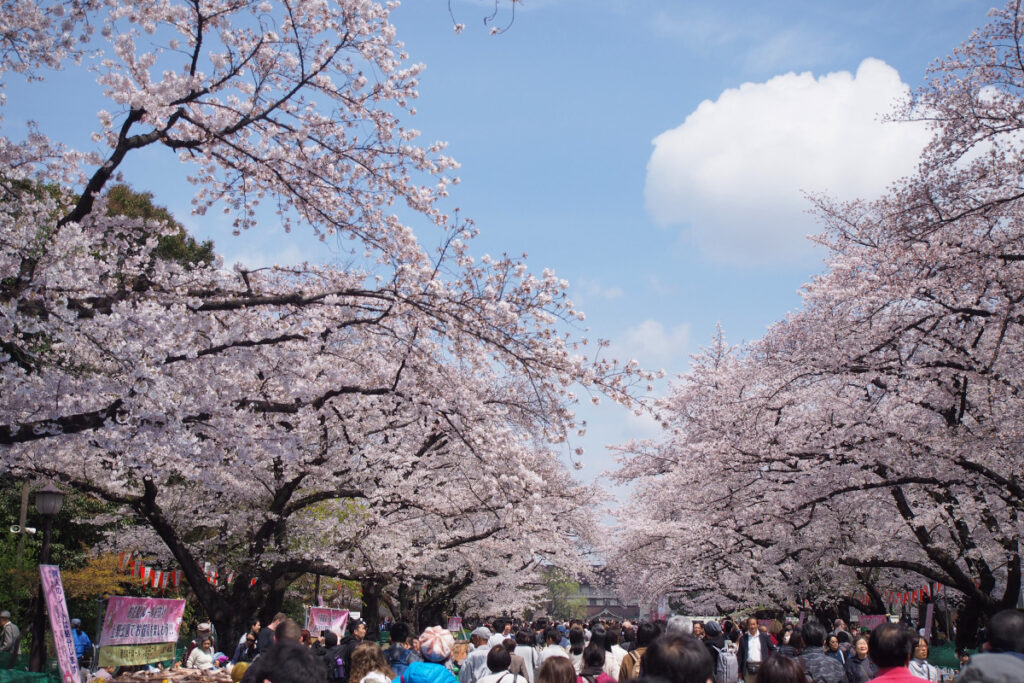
661	286
252	256
588	290
654	346
758	38
737	169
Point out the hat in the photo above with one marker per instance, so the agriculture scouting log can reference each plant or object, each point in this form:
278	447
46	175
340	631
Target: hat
76	622
712	629
481	632
205	626
436	644
5	615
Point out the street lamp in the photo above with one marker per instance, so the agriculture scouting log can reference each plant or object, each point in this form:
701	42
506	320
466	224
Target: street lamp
49	500
101	608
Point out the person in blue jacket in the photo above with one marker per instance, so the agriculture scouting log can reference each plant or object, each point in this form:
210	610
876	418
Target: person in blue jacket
83	646
436	646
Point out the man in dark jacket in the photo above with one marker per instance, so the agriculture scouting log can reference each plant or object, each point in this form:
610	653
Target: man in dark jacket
285	662
714	641
1003	658
754	648
267	635
357	631
820	667
331	654
399	654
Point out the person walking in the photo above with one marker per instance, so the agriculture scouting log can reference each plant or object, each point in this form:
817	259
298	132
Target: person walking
10	640
83	646
754	648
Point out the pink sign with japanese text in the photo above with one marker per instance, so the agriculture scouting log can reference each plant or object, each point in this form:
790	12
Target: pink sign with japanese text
60	624
137	621
872	620
326	619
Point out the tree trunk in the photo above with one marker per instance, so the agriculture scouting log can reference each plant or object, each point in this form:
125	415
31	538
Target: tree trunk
967	623
405	604
432	614
371	609
272	605
229	626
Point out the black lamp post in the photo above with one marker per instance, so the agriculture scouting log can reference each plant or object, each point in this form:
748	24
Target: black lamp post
101	608
49	500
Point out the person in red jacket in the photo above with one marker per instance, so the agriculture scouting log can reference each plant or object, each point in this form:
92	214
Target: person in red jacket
890	647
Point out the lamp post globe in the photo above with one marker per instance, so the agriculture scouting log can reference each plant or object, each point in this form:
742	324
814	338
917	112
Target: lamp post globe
49	501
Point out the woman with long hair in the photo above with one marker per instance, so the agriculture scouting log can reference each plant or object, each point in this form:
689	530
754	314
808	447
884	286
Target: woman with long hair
593	670
576	644
616	653
369	665
602	638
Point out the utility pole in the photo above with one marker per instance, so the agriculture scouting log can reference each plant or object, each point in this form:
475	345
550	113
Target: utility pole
22	519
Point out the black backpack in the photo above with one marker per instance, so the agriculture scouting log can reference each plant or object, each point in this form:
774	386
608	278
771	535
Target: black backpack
334	660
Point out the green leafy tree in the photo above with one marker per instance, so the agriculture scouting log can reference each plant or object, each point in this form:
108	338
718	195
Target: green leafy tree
178	246
566	599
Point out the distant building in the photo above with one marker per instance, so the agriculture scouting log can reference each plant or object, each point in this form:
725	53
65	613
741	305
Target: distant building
605	603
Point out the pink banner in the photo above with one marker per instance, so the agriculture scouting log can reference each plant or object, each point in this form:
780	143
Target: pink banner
138	621
326	619
872	620
454	624
60	624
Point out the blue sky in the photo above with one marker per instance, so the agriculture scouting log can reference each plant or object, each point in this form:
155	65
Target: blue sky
554	120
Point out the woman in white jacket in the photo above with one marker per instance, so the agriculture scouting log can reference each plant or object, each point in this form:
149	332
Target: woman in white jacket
201	656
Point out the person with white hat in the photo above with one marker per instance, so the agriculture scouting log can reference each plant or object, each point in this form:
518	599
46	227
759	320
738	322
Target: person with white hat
203	630
474	667
83	646
10	640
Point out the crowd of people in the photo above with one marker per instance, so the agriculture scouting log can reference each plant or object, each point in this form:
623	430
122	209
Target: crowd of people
677	651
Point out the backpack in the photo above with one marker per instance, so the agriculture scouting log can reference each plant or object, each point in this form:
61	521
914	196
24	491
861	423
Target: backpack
727	668
398	658
334	660
634	671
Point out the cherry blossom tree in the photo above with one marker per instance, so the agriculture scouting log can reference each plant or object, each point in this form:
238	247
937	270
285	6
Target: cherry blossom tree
377	422
873	437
